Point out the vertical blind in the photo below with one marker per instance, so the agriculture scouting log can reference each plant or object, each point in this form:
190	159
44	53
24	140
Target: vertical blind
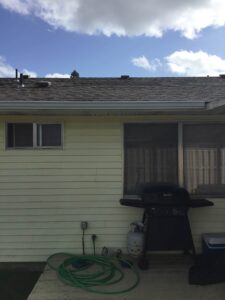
204	158
150	155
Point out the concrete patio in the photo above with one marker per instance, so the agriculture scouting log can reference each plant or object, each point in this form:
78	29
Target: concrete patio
166	279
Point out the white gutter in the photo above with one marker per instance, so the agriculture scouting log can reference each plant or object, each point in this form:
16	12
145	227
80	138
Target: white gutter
101	105
216	104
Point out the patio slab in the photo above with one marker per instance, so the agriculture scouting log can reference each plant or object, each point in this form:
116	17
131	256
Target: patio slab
166	279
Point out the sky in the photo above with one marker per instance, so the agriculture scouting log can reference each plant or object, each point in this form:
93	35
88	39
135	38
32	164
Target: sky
110	38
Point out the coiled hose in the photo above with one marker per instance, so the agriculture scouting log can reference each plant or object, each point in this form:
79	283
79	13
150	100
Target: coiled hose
76	271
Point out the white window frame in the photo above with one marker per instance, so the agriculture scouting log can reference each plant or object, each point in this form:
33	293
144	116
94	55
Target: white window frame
35	144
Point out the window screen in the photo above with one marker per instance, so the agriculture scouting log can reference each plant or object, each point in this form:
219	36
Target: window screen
150	155
20	135
204	158
50	134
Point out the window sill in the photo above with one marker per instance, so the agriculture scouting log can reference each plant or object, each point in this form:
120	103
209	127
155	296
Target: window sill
35	148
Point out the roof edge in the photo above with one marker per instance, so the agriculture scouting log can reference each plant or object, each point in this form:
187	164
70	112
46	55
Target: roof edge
218	104
101	105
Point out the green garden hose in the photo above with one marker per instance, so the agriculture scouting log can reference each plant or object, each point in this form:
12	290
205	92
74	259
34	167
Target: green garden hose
76	271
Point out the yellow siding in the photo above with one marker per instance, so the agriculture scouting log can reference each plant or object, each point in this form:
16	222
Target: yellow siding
44	194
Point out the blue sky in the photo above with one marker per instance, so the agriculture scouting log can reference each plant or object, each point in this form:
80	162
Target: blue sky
44	39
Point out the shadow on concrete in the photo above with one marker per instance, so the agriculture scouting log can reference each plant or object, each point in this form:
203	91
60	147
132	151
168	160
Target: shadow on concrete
17	283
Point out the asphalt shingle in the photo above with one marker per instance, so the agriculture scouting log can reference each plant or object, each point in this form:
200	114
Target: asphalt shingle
115	89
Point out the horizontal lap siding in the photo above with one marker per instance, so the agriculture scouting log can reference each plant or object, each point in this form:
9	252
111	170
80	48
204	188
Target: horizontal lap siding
44	194
208	219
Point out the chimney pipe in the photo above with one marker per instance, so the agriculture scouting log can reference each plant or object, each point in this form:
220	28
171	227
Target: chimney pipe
16	73
21	79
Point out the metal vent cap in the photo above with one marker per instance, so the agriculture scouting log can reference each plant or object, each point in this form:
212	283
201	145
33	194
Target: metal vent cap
43	84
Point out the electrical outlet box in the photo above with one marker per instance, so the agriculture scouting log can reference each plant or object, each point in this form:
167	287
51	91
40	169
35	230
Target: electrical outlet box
84	225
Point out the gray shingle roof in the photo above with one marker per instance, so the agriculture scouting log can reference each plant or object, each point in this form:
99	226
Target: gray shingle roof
115	89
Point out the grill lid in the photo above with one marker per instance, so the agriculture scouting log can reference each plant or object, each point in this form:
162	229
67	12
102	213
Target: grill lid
164	193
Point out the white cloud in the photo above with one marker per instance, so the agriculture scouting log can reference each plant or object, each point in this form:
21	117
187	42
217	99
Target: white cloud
30	73
6	70
57	75
16	5
125	17
189	63
143	62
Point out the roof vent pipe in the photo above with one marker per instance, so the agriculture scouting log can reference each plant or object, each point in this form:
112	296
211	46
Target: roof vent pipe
21	80
16	70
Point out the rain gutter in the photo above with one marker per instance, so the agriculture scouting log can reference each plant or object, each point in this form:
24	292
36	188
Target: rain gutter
101	105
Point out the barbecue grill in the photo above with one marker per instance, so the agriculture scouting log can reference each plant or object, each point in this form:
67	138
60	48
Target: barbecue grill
165	218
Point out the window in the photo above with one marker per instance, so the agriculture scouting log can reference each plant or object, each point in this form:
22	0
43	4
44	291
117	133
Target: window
150	155
49	135
20	135
33	135
204	158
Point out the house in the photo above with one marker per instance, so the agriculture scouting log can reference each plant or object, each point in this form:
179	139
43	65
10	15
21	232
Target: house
70	148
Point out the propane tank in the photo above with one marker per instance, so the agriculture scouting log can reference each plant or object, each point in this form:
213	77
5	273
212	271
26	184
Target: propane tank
135	239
